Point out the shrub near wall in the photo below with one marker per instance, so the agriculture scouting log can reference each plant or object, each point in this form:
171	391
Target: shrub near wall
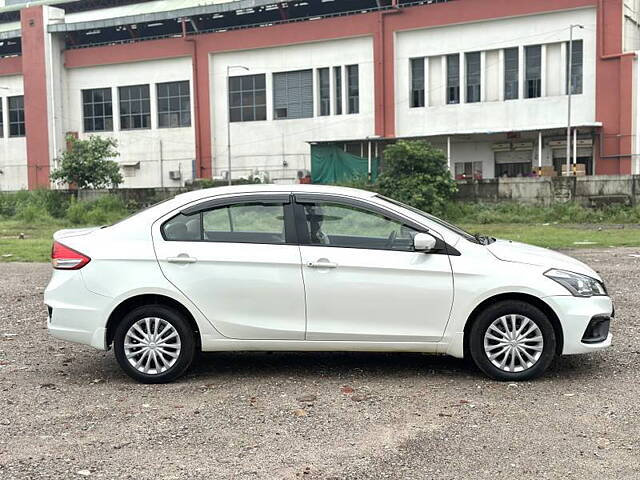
49	206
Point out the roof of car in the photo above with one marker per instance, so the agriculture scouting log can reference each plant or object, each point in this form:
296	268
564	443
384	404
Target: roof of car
258	188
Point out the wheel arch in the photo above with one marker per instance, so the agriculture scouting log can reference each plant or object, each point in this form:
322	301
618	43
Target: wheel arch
523	297
148	299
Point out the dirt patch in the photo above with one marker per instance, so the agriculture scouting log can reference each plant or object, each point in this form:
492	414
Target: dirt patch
67	411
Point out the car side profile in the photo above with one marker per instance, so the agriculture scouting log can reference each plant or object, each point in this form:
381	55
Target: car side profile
316	268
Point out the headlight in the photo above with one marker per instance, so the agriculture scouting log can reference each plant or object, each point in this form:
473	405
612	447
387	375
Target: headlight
579	285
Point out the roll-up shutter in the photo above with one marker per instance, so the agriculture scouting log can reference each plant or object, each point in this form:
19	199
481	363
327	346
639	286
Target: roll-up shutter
293	94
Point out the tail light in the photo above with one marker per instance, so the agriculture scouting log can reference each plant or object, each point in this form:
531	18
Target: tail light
65	258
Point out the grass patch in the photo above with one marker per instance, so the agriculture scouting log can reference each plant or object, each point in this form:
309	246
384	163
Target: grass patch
562	236
39	214
36	246
567	213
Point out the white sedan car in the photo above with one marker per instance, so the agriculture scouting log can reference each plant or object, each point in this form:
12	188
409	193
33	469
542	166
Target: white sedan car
312	268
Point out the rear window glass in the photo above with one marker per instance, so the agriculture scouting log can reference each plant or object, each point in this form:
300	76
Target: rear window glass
239	223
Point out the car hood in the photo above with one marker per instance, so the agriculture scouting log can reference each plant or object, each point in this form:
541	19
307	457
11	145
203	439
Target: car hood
509	251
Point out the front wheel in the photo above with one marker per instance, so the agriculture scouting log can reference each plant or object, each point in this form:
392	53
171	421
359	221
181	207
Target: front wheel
512	341
154	344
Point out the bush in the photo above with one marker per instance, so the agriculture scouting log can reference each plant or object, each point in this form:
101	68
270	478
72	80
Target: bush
361	183
103	211
34	205
416	173
86	163
210	183
482	213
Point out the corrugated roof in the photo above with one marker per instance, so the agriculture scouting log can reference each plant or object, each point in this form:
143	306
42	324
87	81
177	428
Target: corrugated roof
9	30
150	12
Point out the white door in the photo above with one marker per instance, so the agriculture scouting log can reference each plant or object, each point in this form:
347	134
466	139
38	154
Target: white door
363	280
236	263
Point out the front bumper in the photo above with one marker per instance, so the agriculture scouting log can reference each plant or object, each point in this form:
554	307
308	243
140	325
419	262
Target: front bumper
582	322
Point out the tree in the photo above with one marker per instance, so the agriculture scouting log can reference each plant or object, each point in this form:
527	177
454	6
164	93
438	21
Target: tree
416	173
86	163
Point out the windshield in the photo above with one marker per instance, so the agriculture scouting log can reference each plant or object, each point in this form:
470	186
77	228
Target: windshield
447	225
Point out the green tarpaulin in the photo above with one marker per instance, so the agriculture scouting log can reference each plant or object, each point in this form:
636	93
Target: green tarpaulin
330	165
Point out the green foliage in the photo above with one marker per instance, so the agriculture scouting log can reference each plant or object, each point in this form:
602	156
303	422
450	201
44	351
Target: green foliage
51	206
361	183
34	205
210	183
416	173
103	211
86	164
514	213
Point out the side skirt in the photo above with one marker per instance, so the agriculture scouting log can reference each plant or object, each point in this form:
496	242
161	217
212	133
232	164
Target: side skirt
229	345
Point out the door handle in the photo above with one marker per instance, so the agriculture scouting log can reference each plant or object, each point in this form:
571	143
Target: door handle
322	265
183	258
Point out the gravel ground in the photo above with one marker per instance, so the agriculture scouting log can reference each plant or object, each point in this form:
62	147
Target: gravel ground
67	411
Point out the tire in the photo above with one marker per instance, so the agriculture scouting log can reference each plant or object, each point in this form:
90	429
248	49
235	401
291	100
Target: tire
168	358
539	355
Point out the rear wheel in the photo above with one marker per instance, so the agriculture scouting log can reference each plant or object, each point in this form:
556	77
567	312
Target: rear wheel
512	341
154	344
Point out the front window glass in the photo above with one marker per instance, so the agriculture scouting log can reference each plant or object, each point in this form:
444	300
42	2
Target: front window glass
453	228
336	225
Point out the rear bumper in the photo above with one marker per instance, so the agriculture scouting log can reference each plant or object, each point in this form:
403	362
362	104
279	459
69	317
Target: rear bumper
576	315
75	314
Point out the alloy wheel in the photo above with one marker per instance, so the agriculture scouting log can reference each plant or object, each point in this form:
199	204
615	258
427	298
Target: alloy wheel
513	343
152	345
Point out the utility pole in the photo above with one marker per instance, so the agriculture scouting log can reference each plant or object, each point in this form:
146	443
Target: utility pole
229	67
569	93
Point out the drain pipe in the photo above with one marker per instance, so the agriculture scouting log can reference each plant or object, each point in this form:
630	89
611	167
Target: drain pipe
395	8
196	102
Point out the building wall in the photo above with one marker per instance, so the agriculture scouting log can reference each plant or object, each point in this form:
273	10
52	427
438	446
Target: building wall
13	150
174	146
381	43
631	21
549	111
267	145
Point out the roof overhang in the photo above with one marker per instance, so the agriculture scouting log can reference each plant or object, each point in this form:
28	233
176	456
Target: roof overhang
544	129
8	34
128	19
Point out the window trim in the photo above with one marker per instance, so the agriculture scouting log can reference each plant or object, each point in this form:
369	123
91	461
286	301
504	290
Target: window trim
23	122
442	248
254	106
539	80
93	117
511	71
324	101
570	61
353	84
180	112
452	86
338	90
131	115
414	61
303	101
470	57
212	204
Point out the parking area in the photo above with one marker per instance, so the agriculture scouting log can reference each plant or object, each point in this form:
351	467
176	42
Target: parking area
67	411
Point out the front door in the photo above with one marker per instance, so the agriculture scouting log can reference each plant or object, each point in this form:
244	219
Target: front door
239	264
362	278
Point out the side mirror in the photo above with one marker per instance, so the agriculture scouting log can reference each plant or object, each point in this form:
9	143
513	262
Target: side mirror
423	242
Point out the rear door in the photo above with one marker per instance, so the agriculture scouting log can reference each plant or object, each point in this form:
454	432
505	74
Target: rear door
363	280
237	260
